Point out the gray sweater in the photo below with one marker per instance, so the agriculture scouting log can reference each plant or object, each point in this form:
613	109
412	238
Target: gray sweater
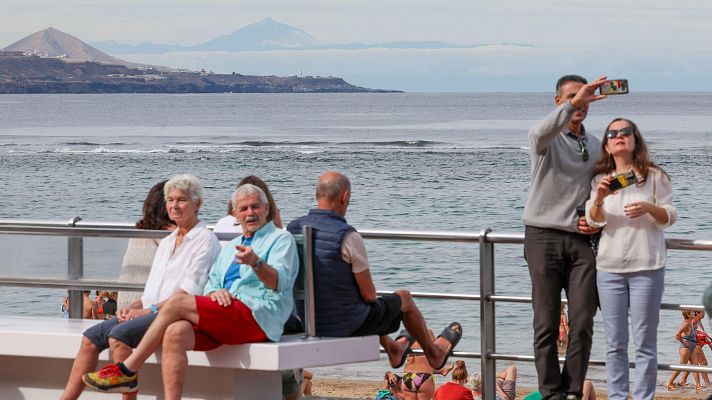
560	179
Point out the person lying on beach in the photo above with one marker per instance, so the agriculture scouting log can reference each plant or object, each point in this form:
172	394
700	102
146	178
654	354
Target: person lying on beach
455	389
247	299
506	384
346	301
391	388
181	265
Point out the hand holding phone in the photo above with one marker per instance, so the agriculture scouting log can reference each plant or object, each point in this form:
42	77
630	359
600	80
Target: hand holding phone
622	180
614	86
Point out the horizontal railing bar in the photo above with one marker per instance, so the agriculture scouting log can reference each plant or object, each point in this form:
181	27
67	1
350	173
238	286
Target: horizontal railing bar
462	354
70	284
446	296
421	235
38	226
113	285
601	363
83	232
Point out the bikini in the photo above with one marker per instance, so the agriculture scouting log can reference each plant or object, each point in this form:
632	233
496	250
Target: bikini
414	380
689	339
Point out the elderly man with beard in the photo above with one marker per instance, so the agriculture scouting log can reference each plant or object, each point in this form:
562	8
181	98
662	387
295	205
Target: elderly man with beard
247	299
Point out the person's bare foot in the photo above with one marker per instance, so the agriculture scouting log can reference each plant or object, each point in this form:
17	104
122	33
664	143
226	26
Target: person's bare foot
670	386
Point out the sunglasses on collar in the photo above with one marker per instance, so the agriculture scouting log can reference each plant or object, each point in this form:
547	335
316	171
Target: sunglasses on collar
624	132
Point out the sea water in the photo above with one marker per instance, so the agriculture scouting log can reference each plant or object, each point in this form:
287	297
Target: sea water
445	162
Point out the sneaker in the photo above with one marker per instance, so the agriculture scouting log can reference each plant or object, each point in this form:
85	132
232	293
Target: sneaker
110	379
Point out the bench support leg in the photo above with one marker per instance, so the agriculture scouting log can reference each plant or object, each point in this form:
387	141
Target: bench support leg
258	384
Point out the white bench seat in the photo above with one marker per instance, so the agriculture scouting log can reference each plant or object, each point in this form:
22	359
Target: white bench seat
36	355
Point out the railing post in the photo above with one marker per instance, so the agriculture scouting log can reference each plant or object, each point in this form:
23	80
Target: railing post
75	271
487	317
309	305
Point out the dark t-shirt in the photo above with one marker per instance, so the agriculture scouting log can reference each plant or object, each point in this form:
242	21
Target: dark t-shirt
453	391
110	307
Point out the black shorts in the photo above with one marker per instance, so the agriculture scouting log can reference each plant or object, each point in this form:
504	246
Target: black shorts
384	317
129	332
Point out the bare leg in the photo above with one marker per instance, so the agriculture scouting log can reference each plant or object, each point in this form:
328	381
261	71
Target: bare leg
695	375
179	338
413	320
508	374
178	307
684	358
119	352
589	393
307	384
702	360
86	361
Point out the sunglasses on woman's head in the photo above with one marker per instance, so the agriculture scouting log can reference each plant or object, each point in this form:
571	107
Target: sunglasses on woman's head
612	133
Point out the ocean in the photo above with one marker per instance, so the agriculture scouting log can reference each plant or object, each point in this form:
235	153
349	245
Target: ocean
445	162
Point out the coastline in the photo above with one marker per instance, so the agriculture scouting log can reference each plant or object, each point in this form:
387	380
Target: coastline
333	388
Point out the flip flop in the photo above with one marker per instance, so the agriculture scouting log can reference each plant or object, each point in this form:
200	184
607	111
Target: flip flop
451	336
404	333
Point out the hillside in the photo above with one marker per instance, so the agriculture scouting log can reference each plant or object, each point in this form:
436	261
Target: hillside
52	43
22	73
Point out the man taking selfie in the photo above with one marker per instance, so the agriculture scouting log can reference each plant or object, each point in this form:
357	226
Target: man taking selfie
556	242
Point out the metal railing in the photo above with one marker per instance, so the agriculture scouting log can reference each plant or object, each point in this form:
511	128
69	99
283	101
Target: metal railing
76	229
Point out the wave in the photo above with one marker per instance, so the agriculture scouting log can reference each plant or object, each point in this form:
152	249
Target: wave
93	144
303	147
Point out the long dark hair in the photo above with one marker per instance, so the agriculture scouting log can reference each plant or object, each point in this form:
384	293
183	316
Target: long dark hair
641	158
155	215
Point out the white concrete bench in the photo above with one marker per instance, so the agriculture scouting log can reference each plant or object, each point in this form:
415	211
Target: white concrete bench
36	355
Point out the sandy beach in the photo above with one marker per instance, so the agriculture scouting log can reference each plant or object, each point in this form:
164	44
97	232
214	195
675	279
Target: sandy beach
333	389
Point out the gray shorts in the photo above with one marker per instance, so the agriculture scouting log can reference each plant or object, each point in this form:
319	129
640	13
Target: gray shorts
509	388
129	332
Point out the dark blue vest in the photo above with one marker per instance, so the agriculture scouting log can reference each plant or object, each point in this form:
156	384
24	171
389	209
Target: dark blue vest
340	310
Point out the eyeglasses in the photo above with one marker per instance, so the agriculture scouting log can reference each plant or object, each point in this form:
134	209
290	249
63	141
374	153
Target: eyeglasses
583	150
624	132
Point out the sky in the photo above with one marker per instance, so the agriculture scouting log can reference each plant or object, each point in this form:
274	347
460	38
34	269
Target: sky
658	45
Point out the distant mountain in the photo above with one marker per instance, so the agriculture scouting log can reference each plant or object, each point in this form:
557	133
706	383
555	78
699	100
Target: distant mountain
53	43
269	34
264	35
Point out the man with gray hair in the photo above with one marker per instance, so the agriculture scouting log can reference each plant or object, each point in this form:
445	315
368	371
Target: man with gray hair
345	297
247	299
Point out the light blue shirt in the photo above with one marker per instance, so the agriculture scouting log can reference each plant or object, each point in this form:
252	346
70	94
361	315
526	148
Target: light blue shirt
270	308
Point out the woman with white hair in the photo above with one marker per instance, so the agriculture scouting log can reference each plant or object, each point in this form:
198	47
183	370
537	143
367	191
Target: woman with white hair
181	265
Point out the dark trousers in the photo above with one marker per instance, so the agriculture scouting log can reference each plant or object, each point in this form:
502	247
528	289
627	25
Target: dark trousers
561	260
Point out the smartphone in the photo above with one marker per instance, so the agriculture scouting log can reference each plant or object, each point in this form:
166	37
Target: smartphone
581	211
622	180
614	86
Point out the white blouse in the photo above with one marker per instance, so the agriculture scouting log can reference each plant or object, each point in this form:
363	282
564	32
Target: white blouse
185	269
633	244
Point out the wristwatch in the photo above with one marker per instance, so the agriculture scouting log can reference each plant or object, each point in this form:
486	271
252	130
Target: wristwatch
258	264
154	308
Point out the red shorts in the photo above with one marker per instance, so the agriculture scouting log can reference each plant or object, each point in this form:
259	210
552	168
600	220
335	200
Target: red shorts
218	325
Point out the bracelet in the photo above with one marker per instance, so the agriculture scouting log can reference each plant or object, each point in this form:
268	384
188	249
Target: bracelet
597	204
